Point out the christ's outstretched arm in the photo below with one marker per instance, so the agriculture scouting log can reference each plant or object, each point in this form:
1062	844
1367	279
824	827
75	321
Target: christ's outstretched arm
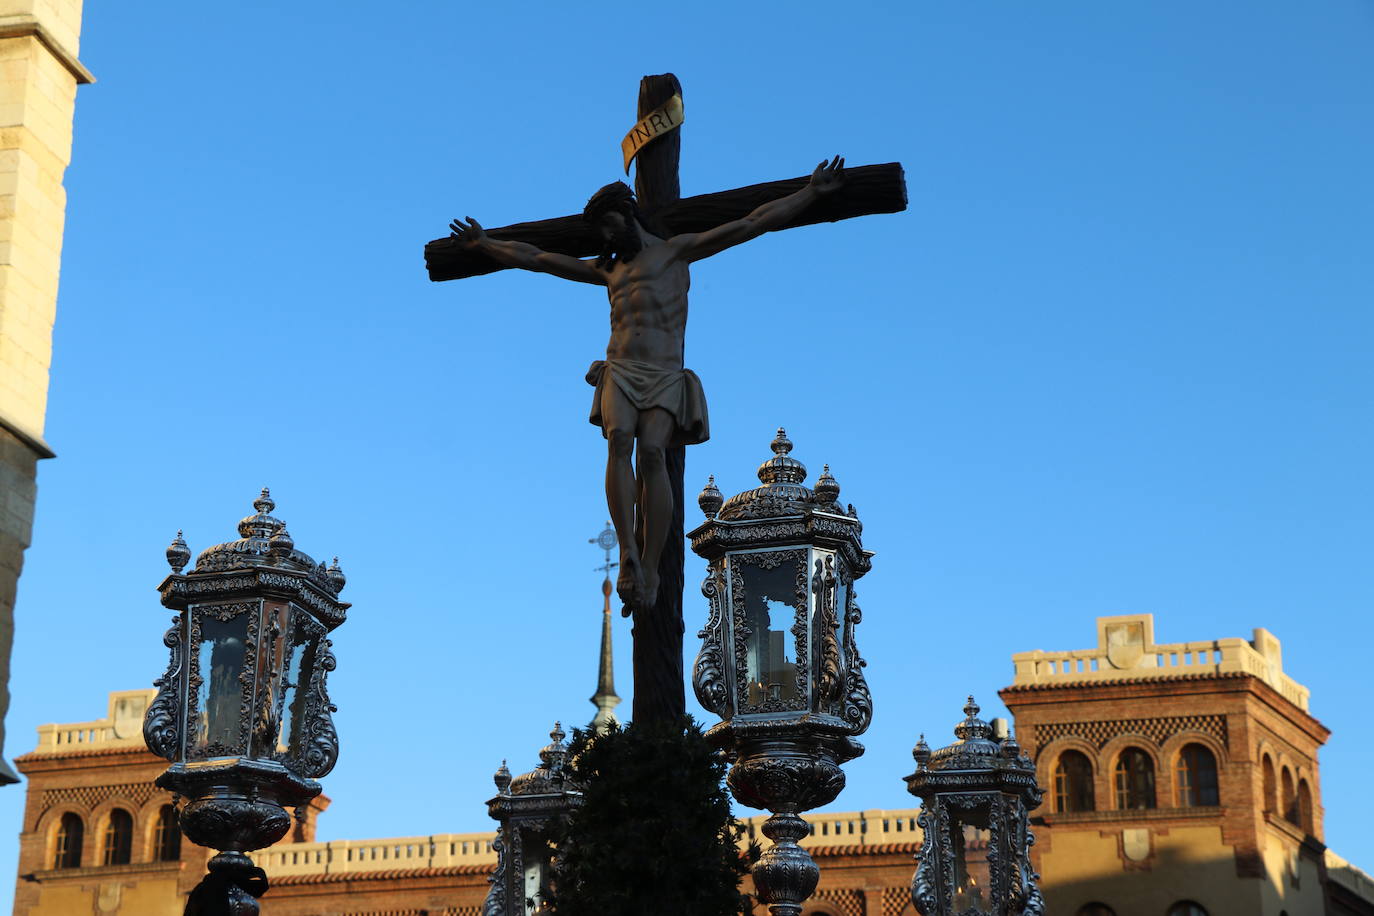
694	246
525	256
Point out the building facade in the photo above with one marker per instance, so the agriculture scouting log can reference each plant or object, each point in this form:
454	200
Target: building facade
1181	780
39	73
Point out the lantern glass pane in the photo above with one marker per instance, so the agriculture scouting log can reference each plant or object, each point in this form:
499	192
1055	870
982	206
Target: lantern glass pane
220	655
841	607
271	658
770	612
300	669
969	837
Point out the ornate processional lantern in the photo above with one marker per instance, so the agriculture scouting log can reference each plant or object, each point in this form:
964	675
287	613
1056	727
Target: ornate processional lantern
976	798
242	712
527	808
778	661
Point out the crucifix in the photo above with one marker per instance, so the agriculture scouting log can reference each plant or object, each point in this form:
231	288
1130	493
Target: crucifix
649	406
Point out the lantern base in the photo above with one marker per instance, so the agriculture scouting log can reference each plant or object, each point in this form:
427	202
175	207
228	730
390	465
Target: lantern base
236	805
785	875
230	888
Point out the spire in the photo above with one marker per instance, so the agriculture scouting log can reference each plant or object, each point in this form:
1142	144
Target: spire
605	699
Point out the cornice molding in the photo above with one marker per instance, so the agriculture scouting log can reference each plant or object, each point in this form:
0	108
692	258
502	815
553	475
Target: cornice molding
27	26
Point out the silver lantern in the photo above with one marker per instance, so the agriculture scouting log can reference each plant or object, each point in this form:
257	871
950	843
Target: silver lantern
778	661
529	809
242	712
976	798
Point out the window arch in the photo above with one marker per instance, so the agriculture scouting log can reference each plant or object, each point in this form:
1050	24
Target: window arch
1135	779
1195	777
1073	782
1187	908
1271	792
71	832
1095	909
167	836
119	837
1290	798
1305	806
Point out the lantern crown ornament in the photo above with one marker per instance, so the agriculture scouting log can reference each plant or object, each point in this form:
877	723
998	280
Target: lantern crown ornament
779	662
976	798
242	713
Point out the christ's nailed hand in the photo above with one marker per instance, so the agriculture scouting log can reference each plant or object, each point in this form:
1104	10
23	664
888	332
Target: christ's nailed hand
471	234
828	176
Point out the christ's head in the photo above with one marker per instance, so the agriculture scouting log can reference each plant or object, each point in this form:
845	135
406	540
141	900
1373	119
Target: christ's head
612	211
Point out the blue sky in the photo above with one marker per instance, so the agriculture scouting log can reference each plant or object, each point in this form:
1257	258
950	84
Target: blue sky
1114	358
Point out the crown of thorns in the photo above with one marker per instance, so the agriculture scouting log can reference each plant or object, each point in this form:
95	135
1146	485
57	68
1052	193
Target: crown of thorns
612	198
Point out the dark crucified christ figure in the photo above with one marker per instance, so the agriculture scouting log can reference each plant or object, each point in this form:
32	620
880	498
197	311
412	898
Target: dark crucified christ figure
645	401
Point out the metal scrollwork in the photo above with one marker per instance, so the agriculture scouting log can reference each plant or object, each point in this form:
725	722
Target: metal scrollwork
858	702
823	586
517	877
160	721
1028	880
708	672
321	745
495	904
923	891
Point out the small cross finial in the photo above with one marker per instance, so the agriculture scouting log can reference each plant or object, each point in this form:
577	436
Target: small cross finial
607	541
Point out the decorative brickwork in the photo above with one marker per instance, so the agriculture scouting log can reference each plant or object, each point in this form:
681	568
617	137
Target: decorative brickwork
895	900
87	797
849	901
1157	730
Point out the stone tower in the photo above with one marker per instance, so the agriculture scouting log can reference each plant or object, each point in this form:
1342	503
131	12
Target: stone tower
39	73
1177	775
605	699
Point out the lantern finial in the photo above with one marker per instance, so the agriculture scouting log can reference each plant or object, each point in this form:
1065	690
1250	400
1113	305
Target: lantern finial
827	488
972	727
921	752
336	576
710	499
502	778
282	543
260	524
782	468
178	554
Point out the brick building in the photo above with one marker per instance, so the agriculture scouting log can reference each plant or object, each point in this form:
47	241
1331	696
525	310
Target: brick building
1181	780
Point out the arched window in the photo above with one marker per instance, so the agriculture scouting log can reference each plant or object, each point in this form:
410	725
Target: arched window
1187	908
1271	792
1095	909
119	837
1304	806
1196	777
1073	782
1290	798
167	836
1135	779
70	834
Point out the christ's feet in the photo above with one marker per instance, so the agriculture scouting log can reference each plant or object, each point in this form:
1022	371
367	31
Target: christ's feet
629	585
649	592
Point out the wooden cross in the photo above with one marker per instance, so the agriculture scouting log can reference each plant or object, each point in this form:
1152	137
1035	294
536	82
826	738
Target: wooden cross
659	695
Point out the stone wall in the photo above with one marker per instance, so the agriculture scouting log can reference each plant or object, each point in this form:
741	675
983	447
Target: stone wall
39	73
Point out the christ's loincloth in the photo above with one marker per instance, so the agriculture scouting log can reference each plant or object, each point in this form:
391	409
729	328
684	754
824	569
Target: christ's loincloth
677	391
